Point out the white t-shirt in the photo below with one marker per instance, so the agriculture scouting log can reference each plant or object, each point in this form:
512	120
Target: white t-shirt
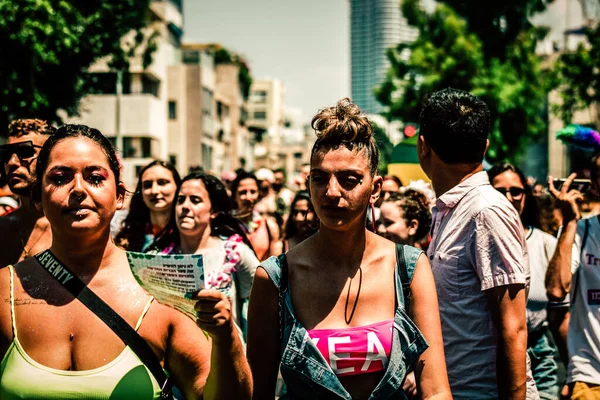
584	327
540	246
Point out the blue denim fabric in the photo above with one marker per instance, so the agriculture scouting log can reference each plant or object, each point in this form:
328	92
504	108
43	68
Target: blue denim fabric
306	373
544	367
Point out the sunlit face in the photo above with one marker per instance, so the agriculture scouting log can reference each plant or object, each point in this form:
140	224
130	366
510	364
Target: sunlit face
246	195
158	188
509	184
20	172
193	208
79	191
341	186
302	215
393	225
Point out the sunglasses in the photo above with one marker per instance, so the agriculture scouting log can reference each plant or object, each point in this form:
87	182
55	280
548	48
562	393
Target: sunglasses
25	151
515	192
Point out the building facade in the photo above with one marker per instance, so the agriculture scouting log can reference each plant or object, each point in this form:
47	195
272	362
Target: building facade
375	26
130	107
266	120
192	111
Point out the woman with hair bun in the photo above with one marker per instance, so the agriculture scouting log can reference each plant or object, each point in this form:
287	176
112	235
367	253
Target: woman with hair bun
367	305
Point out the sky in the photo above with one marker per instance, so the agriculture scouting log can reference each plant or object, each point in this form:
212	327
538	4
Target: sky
303	43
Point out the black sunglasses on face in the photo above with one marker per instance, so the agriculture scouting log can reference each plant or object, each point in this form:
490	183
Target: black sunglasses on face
24	150
515	192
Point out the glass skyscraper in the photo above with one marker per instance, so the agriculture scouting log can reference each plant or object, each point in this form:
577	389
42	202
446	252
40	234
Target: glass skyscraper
376	25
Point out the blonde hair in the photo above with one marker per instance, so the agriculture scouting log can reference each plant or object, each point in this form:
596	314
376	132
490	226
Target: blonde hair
345	125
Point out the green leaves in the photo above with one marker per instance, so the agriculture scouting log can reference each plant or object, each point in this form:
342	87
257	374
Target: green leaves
46	47
497	63
576	76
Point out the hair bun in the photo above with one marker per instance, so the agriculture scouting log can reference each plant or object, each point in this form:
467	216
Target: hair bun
343	122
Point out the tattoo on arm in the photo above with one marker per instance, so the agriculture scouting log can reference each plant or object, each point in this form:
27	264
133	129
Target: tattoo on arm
26	302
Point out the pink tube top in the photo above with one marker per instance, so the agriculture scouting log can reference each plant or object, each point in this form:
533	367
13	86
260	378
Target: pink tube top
357	350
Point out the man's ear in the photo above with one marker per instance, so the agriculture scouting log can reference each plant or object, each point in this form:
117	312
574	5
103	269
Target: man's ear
376	190
307	183
423	147
487	146
121	193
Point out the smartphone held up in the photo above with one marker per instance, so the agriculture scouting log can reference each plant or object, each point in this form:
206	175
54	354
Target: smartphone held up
581	185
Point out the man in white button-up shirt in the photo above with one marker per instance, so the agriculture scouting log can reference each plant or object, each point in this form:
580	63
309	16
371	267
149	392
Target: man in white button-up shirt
478	254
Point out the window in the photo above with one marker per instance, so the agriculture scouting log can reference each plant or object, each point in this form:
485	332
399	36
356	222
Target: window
172	109
222	110
258	96
106	83
206	157
173	159
207	102
150	86
191	57
260	115
137	147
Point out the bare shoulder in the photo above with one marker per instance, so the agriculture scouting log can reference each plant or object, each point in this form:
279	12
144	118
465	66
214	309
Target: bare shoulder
272	224
381	247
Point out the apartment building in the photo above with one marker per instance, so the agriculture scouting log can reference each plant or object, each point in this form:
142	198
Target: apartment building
191	102
375	26
130	108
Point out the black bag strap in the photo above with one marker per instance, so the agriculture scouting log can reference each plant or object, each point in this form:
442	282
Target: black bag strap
403	272
283	285
103	311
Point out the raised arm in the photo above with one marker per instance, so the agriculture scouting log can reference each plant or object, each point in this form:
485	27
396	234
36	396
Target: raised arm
208	368
430	368
263	336
507	307
559	275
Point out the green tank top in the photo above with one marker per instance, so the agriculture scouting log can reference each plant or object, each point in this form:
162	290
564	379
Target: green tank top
21	377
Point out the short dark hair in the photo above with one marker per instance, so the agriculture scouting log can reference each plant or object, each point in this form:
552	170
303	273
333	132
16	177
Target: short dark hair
20	127
74	131
456	125
281	170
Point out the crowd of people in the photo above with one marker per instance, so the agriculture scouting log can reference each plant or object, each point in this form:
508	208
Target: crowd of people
336	283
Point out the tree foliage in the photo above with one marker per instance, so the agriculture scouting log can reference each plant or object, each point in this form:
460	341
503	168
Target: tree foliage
577	78
224	56
457	50
385	147
47	46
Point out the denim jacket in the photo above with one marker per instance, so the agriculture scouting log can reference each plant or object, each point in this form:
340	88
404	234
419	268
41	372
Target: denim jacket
304	369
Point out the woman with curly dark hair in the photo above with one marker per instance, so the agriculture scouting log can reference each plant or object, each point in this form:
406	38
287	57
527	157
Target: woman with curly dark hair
150	208
405	217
